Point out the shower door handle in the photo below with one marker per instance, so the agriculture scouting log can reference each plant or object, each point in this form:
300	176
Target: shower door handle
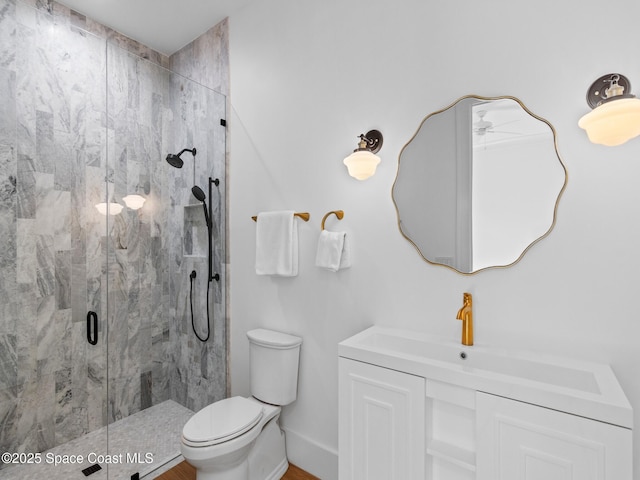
92	328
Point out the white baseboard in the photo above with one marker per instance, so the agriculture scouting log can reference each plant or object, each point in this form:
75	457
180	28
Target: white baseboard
312	457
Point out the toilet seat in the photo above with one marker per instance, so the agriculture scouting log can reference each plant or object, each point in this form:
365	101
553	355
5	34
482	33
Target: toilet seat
221	421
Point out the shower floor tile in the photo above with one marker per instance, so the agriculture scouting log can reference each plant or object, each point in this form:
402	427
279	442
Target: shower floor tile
152	435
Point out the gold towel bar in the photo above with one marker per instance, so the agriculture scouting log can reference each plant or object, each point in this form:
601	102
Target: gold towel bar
303	215
337	213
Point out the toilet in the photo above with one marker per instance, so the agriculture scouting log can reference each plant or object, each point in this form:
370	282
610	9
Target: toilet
239	438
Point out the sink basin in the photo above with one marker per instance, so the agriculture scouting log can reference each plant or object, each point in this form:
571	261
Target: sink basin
582	388
504	363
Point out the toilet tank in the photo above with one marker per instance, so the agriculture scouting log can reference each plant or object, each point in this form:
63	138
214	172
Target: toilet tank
274	366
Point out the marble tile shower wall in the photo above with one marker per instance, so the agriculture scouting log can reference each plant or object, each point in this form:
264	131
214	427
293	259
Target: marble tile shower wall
75	111
138	108
53	158
199	370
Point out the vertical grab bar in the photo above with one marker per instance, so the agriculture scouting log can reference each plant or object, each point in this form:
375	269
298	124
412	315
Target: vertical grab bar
212	276
92	328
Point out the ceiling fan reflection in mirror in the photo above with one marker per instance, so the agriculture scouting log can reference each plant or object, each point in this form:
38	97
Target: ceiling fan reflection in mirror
482	127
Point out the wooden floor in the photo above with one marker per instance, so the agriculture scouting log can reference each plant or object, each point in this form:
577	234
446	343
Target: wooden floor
184	471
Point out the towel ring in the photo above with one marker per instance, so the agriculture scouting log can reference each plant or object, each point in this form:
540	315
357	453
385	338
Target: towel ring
337	213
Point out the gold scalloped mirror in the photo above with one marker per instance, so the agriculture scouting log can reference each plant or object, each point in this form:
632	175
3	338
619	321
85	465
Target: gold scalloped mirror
479	183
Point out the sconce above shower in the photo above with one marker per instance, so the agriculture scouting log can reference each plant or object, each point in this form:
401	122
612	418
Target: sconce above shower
174	159
111	208
134	201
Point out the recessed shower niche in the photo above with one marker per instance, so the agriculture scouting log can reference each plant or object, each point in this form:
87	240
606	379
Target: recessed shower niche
195	243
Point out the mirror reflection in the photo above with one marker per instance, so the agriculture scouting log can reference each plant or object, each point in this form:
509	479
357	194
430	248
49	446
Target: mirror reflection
478	183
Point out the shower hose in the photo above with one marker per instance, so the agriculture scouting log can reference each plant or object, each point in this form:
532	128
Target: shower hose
193	326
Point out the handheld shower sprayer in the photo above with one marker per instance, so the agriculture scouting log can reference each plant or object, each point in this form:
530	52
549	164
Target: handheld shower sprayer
201	197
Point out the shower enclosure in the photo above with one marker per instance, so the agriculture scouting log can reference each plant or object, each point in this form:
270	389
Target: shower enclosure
94	290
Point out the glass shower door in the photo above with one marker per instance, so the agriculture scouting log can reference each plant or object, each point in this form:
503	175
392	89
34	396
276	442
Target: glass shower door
95	329
53	387
157	236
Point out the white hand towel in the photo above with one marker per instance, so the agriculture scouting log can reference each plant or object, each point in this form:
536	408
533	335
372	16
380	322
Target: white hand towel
276	244
333	251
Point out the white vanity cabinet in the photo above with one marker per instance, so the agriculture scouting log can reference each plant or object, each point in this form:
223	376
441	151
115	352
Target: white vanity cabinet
381	418
450	432
413	408
520	441
397	426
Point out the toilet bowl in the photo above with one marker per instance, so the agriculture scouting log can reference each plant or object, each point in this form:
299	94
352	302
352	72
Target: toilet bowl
219	438
239	438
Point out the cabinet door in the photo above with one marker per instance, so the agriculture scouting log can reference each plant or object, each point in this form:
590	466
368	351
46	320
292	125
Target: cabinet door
520	441
381	423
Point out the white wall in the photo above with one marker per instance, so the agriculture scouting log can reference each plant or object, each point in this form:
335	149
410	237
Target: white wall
308	77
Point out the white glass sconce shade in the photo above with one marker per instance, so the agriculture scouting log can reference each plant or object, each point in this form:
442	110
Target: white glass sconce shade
112	208
615	118
613	123
134	202
362	163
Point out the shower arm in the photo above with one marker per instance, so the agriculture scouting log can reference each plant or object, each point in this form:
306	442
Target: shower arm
190	150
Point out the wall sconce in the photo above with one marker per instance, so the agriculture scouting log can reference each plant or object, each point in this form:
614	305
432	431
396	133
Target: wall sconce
134	202
615	118
363	161
112	209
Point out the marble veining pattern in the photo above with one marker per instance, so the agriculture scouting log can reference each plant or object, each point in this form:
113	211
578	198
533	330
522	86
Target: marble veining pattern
85	115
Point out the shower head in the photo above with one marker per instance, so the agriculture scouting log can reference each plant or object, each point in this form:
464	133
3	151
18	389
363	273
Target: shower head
201	197
174	159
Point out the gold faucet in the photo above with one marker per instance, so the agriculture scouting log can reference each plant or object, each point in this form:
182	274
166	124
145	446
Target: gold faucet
466	315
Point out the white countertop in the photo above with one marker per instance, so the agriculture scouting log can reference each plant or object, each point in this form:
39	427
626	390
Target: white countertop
581	388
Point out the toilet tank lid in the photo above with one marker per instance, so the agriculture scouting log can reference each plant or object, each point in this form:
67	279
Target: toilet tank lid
270	338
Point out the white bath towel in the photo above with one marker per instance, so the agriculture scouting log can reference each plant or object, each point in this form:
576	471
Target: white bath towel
277	244
333	251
